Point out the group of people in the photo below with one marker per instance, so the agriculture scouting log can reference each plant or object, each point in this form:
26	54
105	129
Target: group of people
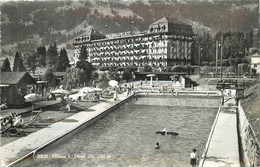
129	89
65	104
193	155
6	122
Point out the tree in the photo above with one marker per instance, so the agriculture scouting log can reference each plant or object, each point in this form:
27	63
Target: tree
63	62
49	76
71	78
147	68
52	56
194	53
84	64
112	73
83	78
83	56
18	63
30	61
41	56
6	66
127	74
102	77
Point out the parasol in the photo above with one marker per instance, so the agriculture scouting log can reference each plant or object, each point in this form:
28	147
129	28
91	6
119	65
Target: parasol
96	90
61	91
151	75
113	83
32	97
85	90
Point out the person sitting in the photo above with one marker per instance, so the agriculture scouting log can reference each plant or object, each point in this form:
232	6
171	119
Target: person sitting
157	146
3	122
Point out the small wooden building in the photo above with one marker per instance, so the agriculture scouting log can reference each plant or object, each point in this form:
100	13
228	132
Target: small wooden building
14	86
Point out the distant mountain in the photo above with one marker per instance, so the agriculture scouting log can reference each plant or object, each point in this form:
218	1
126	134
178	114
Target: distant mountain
29	24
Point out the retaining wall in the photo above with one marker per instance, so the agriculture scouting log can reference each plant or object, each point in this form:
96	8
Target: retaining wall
249	144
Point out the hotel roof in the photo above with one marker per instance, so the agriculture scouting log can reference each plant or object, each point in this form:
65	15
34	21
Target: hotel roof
170	20
175	26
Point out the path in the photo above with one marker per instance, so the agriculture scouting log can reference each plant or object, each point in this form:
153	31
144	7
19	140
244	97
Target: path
223	147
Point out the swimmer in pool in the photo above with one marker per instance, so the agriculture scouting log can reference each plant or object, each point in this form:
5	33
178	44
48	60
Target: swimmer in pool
164	131
157	146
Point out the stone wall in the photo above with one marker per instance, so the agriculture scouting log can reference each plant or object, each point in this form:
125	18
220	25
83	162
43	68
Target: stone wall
249	144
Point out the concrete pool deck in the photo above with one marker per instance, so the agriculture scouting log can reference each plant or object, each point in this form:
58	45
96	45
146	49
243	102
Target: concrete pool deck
223	147
14	152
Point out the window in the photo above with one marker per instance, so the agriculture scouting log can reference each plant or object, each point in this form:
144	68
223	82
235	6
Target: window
163	27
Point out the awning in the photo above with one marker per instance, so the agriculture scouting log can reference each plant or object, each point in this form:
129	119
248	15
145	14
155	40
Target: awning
3	85
151	75
41	82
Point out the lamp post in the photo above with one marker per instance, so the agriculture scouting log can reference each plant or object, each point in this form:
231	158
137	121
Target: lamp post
217	48
217	57
120	76
200	49
132	23
221	54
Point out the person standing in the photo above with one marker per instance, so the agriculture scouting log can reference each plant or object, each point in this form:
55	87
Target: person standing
115	95
193	158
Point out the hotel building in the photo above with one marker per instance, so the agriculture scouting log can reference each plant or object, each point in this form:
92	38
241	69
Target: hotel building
167	42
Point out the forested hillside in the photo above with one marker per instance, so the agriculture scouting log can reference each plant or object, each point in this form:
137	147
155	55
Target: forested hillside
27	25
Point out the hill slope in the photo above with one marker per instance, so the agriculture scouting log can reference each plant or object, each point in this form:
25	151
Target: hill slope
26	25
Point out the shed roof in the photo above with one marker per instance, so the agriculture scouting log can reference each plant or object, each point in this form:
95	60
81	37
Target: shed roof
13	78
59	74
255	55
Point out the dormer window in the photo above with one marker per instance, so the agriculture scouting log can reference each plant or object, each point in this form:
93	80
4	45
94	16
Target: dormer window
163	27
159	28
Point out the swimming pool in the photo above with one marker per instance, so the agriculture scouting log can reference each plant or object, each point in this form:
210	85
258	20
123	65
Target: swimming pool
126	136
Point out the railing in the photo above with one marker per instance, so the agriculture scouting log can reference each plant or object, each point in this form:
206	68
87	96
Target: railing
212	75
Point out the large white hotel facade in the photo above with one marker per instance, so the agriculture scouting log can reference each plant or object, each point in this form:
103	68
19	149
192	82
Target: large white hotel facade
167	42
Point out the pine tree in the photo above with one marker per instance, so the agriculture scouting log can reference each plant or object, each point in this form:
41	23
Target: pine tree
83	56
30	61
52	56
194	53
63	62
49	76
18	63
6	65
127	74
84	64
41	56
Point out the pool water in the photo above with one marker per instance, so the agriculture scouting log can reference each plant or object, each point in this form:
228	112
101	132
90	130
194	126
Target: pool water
126	136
